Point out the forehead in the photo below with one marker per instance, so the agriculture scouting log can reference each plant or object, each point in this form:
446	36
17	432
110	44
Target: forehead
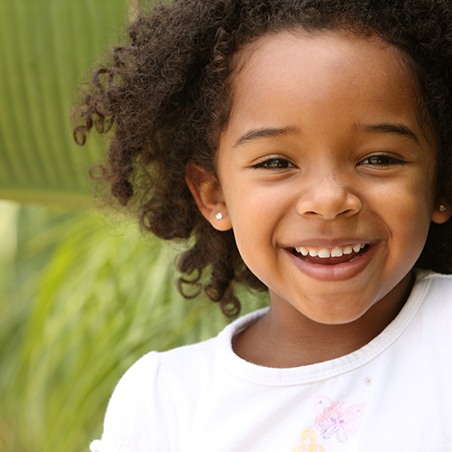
319	64
333	48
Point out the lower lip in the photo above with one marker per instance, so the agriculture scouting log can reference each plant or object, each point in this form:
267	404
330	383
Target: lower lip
335	272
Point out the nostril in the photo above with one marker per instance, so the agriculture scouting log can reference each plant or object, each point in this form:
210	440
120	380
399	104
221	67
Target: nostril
329	207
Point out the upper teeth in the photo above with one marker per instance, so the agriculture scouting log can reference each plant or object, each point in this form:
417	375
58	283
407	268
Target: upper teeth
335	252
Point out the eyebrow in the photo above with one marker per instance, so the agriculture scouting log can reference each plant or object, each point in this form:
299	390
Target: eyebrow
256	134
386	127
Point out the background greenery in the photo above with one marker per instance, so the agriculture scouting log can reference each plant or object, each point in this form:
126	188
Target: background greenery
82	295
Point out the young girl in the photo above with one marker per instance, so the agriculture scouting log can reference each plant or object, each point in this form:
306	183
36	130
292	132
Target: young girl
303	147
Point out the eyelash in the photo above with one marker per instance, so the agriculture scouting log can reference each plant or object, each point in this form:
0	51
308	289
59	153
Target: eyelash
381	160
375	160
274	163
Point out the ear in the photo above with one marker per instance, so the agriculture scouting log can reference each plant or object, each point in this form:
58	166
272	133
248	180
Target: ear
441	213
206	191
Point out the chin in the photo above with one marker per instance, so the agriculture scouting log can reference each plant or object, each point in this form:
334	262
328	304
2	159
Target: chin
336	318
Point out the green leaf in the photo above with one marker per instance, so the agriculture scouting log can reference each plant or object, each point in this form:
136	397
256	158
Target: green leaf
47	48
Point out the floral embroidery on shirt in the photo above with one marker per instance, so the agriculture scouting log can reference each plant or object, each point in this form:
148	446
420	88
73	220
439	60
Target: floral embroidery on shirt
333	419
309	442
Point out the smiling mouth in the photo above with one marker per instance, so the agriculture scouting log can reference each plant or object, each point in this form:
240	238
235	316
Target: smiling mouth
330	256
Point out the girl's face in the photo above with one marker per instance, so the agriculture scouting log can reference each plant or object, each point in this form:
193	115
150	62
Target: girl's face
326	174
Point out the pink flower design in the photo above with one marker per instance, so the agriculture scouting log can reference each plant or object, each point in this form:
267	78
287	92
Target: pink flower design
335	420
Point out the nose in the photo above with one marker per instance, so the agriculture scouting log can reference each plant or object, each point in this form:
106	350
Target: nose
329	197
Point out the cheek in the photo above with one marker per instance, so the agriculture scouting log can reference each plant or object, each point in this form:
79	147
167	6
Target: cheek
422	200
254	204
410	215
255	218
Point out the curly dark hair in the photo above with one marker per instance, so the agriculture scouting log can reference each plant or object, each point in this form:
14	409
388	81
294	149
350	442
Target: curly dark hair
166	96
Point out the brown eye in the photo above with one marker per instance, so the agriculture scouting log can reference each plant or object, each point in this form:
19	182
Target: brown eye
275	163
381	160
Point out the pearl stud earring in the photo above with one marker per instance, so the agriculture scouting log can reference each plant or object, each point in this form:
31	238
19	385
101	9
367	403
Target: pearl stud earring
219	216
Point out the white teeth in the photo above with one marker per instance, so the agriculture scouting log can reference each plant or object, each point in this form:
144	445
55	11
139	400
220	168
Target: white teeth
335	252
324	253
303	251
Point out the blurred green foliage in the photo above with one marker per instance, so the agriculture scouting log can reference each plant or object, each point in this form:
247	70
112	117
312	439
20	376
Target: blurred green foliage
81	297
46	48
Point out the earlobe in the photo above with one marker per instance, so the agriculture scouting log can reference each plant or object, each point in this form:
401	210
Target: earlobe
442	213
206	191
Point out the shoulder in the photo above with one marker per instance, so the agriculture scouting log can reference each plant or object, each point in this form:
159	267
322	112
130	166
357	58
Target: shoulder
143	403
434	292
130	409
148	386
154	391
435	288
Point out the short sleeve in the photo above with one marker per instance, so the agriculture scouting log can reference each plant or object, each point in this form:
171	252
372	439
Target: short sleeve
132	421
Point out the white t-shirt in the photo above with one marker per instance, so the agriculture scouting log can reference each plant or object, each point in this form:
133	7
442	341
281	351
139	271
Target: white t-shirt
392	395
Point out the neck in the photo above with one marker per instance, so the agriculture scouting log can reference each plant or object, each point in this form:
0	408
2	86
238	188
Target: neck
286	338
